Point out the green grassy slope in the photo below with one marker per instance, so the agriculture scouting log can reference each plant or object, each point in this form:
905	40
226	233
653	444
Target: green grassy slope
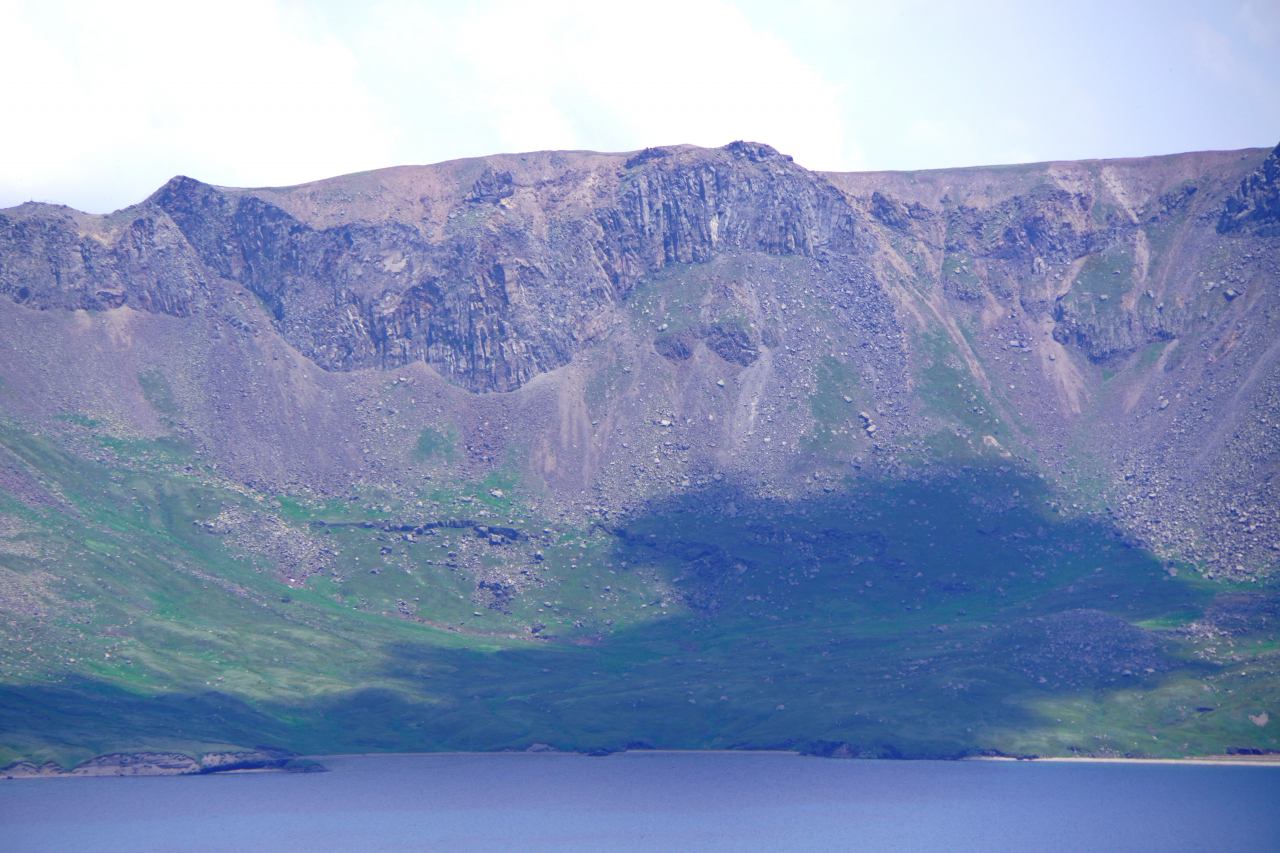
147	604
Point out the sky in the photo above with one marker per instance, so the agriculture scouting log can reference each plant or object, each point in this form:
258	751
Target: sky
102	102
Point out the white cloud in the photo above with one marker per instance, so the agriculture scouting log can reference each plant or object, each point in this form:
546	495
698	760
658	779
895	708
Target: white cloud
114	98
575	74
102	102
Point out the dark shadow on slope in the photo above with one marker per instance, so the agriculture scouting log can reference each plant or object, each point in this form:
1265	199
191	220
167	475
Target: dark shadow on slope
909	619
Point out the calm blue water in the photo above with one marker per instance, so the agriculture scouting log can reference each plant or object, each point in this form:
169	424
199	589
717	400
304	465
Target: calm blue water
657	802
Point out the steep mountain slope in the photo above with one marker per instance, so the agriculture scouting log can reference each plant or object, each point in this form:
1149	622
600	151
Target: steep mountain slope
680	399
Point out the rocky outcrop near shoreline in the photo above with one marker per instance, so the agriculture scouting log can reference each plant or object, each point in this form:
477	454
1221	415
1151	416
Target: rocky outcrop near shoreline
167	764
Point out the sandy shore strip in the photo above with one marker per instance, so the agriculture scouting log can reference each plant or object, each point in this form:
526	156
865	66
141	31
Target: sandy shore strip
1236	760
1241	760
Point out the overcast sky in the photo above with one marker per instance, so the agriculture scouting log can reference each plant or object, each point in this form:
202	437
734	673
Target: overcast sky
101	102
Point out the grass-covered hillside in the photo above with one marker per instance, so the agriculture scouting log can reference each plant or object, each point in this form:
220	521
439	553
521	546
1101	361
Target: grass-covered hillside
963	612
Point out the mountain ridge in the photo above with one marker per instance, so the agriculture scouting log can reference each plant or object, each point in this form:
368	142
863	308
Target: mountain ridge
732	381
496	303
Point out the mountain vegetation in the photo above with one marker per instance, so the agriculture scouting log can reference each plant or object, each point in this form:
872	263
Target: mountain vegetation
680	448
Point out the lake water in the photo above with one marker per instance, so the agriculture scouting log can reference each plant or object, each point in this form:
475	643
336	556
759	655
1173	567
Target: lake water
657	801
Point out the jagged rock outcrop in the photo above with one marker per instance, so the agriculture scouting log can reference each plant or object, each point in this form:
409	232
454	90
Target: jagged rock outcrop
168	764
1255	207
490	305
55	257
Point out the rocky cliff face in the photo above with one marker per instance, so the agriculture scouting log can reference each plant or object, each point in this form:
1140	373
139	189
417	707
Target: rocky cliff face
56	258
484	300
1255	207
1109	322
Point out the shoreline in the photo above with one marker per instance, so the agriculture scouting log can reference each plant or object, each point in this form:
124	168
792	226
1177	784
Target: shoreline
176	764
1236	760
